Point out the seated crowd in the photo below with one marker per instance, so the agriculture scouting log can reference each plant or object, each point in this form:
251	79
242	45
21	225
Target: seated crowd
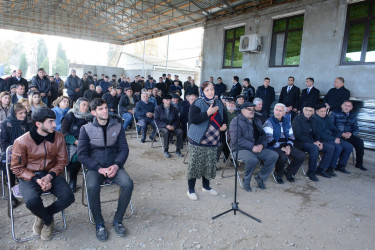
49	131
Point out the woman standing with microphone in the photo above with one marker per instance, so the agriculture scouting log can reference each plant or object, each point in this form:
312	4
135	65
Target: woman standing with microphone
206	119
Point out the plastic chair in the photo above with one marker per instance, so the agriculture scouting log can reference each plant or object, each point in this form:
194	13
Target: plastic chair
87	204
10	206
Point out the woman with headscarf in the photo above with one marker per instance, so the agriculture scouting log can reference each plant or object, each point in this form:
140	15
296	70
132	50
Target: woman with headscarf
71	124
26	104
61	108
206	119
4	105
15	125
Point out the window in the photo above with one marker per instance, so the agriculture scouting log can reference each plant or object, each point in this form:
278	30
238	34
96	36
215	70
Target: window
359	38
232	55
286	41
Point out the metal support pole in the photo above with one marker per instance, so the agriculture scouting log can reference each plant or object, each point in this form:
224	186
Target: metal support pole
144	51
166	64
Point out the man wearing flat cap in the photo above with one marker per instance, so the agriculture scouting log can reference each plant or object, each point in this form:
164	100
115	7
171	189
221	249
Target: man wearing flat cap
252	142
167	120
308	140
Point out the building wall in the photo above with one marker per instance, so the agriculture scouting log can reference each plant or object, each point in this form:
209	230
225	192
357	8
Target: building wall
323	32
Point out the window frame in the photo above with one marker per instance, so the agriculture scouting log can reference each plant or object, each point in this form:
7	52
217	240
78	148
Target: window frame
363	20
286	31
233	40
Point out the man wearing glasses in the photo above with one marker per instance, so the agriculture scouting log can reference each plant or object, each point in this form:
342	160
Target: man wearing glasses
251	145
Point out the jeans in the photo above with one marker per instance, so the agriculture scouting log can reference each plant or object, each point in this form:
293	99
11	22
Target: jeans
128	118
167	134
342	153
31	192
94	180
251	161
313	152
297	159
45	100
143	123
359	149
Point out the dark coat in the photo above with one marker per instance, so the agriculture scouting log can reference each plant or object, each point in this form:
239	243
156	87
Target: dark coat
141	108
124	102
335	97
9	133
249	133
268	97
112	102
88	94
14	98
220	89
345	123
136	87
235	90
71	84
249	93
312	97
97	149
85	86
43	85
4	85
305	130
327	131
162	120
14	81
293	96
192	90
163	87
71	125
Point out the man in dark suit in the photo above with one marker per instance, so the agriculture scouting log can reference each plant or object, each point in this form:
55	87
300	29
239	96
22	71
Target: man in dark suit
309	94
18	79
290	93
236	87
337	95
267	94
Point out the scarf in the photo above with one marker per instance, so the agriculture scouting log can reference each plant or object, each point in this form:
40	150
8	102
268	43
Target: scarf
18	127
39	138
207	100
77	113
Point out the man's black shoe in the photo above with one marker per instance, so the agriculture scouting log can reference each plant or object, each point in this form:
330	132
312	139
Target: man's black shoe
167	155
247	189
289	176
143	140
101	233
312	176
342	169
331	172
361	167
179	154
15	202
278	178
260	182
119	228
152	138
323	173
73	186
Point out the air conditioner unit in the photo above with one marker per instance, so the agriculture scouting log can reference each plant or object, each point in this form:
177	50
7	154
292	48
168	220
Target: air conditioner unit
251	43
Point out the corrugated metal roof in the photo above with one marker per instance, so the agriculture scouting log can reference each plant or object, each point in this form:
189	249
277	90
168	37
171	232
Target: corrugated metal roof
116	21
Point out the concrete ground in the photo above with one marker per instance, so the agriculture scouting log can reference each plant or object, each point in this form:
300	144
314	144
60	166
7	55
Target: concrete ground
335	213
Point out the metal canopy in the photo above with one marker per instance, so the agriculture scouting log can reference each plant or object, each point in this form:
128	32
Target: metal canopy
115	21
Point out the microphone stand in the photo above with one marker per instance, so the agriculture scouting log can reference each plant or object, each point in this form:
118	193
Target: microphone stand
235	203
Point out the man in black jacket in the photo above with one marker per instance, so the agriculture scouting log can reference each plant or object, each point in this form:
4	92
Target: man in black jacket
167	120
337	95
236	87
43	84
252	142
127	105
112	100
309	94
19	79
105	159
308	140
267	94
290	93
